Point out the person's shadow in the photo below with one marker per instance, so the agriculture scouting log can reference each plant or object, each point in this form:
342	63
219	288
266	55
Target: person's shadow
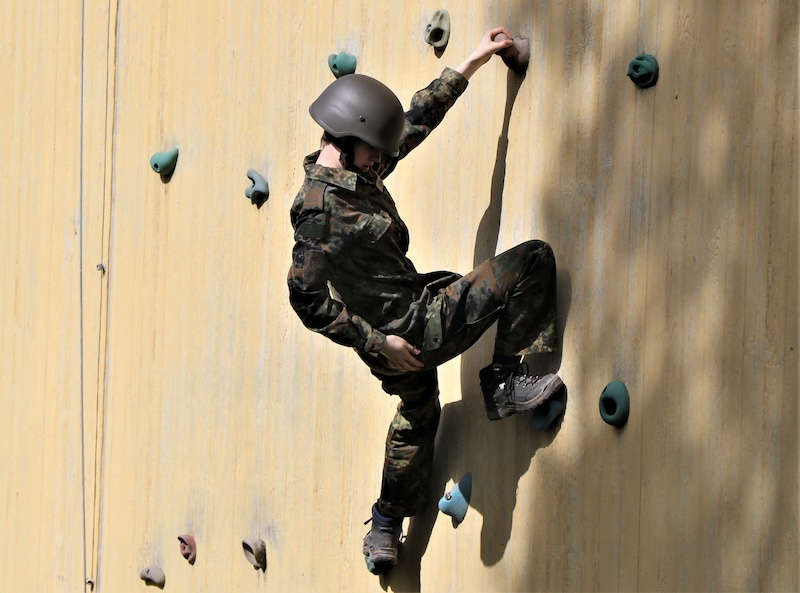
497	454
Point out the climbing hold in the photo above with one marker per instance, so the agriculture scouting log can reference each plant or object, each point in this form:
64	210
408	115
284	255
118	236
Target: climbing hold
456	502
437	31
546	414
643	71
163	163
188	548
342	63
259	191
615	404
256	553
153	575
517	55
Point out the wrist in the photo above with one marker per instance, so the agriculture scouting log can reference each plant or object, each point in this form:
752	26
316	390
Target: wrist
469	66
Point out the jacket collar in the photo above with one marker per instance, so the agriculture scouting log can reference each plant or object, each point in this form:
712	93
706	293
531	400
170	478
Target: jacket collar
344	178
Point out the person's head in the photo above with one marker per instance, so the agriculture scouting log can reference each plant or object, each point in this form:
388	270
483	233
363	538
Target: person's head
361	116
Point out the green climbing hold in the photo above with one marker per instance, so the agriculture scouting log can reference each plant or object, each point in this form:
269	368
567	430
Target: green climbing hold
548	412
437	31
643	71
342	63
163	163
615	404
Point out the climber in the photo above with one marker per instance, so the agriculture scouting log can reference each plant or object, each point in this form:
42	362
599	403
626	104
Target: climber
402	323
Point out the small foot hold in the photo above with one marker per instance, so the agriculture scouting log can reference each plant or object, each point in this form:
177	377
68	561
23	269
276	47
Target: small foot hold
615	404
548	412
164	163
153	576
188	548
456	502
342	63
643	71
256	553
258	192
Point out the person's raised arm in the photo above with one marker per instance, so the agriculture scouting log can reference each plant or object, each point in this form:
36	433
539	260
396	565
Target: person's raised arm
429	105
487	47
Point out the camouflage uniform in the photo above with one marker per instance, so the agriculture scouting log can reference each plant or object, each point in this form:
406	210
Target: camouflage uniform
349	236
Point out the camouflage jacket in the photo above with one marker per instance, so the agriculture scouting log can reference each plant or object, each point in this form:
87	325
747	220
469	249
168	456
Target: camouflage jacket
349	235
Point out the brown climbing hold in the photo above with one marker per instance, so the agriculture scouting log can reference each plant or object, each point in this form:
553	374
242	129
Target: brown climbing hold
256	553
517	55
188	548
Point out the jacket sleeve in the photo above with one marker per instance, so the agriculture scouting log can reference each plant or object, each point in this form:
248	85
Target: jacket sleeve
428	107
308	280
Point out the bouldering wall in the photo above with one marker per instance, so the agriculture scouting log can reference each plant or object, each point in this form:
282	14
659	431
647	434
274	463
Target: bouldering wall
173	391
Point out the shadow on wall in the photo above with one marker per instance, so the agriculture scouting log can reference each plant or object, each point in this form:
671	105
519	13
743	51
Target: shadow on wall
689	259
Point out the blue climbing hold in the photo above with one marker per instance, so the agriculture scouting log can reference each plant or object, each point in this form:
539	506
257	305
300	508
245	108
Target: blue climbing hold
456	502
164	163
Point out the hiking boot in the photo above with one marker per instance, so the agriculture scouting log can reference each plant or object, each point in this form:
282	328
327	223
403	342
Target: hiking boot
382	542
508	390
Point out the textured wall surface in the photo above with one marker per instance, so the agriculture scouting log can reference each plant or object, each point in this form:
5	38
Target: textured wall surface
177	392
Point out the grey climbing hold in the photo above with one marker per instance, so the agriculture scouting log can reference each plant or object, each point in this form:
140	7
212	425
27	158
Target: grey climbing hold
154	576
548	412
437	31
615	404
164	163
256	553
456	502
188	548
258	192
517	55
342	63
643	71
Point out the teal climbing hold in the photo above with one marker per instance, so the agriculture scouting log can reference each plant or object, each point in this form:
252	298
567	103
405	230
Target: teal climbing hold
456	502
546	414
615	404
258	192
164	163
437	31
342	63
643	71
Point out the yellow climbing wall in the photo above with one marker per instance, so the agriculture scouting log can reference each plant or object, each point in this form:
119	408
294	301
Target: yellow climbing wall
174	391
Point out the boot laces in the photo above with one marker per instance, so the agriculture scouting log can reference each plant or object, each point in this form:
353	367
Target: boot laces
520	377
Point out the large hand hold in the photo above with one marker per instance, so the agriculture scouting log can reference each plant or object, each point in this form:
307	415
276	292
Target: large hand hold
258	192
437	31
517	55
456	502
188	548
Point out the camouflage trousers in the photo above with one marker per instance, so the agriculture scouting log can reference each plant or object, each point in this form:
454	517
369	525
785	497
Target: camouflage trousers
516	289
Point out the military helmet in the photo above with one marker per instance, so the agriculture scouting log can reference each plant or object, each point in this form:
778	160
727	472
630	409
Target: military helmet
360	106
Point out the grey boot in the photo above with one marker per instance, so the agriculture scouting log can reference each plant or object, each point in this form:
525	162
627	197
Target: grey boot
508	390
382	542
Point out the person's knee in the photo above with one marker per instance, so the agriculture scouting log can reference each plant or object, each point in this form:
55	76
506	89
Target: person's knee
539	251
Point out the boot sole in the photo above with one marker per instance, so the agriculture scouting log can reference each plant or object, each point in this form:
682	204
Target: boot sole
495	413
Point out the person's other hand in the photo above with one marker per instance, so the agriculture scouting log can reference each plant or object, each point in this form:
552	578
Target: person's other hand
401	355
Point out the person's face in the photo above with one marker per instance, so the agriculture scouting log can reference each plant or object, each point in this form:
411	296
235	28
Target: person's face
365	155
